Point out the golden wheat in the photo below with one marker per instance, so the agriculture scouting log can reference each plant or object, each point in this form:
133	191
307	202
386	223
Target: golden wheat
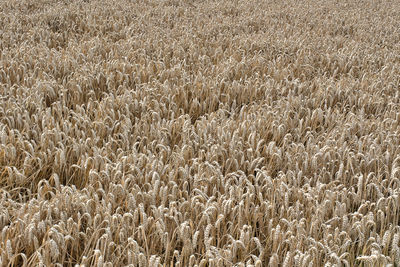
199	133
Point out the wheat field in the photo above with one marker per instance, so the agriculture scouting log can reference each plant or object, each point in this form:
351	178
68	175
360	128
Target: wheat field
199	133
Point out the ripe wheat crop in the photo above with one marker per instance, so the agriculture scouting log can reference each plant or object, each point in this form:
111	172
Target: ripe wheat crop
199	133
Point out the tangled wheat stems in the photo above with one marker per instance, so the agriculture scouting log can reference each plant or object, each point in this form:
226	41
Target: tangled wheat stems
199	133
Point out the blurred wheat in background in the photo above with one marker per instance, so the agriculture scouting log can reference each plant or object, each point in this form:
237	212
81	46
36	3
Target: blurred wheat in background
199	133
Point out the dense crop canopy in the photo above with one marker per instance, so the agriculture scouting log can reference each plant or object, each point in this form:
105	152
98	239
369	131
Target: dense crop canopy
199	133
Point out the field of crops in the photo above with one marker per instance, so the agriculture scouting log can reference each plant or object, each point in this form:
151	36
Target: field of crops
199	133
